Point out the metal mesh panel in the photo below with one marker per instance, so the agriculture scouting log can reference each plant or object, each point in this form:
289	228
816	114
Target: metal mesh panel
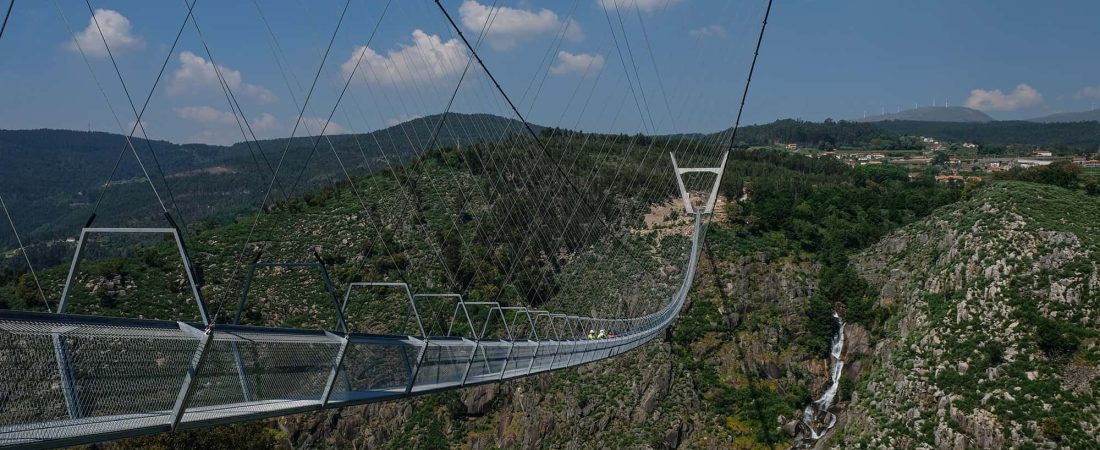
489	359
370	367
443	364
546	353
521	356
31	387
246	367
219	382
567	351
128	374
289	371
123	377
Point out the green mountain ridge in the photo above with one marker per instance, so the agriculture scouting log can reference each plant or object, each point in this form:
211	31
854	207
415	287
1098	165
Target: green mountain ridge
934	114
51	179
1077	136
1066	117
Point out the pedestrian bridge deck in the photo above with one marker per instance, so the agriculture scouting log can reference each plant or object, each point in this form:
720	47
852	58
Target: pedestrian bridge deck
72	379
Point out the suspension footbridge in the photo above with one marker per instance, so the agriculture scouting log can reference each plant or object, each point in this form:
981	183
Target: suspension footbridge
73	379
70	379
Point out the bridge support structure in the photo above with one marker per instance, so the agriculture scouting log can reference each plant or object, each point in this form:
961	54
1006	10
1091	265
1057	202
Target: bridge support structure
708	206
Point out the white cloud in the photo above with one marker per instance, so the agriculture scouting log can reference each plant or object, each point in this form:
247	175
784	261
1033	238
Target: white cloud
195	74
580	63
709	31
137	131
206	115
116	31
313	125
1023	96
264	123
1088	93
428	56
647	6
221	126
510	26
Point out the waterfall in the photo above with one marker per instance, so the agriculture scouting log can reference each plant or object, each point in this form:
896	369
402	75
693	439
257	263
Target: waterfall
820	407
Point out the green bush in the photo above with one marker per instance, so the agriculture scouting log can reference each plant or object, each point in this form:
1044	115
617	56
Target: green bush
821	325
994	353
1056	338
1060	173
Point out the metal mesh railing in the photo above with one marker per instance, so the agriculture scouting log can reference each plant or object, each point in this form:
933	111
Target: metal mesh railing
70	379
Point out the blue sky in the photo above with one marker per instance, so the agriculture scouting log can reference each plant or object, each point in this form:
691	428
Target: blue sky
558	59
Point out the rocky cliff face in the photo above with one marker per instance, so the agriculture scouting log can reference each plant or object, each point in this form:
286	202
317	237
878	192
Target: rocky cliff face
993	338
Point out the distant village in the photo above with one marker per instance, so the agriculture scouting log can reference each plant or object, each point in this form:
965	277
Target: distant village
958	162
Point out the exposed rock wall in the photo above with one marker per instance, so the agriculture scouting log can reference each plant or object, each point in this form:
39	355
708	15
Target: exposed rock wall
992	342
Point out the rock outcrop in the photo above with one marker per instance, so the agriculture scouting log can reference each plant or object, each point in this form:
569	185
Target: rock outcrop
992	341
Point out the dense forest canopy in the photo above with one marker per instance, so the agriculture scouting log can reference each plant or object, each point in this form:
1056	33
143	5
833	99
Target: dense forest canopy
825	135
1076	137
1070	137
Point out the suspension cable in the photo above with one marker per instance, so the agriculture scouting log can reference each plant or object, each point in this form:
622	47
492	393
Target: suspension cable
277	51
744	96
26	257
526	124
433	138
656	70
7	16
741	108
282	159
137	121
634	65
235	106
748	80
7	213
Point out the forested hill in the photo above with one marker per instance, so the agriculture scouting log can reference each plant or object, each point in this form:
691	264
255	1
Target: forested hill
935	114
897	134
1081	116
1077	135
51	178
827	134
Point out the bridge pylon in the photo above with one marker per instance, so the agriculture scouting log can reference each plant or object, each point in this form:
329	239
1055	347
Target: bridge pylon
708	205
